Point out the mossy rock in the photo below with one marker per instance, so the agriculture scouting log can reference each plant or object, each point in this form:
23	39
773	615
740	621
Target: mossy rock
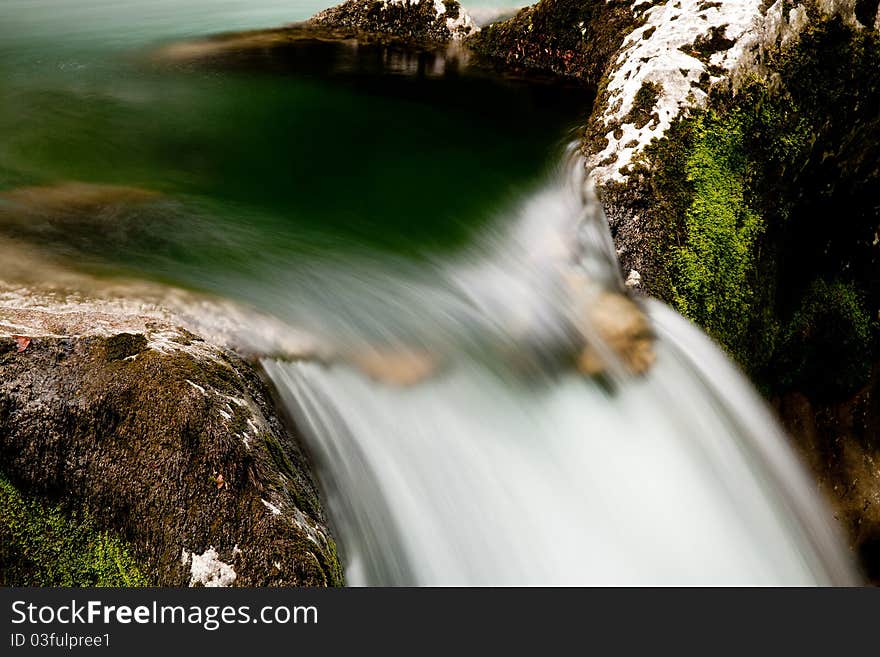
147	457
568	38
41	544
414	23
735	204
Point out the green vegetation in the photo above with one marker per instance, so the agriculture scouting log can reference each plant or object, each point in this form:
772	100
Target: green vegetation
716	264
767	201
831	326
41	545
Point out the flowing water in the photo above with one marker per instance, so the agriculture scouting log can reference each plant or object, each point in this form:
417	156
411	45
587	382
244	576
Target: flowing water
412	211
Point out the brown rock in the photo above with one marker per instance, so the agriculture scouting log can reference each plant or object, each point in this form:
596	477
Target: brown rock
166	441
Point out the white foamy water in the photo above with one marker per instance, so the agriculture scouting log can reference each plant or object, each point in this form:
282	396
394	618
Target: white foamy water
491	473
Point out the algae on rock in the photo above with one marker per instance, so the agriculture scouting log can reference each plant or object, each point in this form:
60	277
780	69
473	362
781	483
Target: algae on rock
44	545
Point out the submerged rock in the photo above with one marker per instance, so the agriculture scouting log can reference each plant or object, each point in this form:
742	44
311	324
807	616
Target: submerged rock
169	447
239	44
74	215
615	333
401	366
622	334
69	197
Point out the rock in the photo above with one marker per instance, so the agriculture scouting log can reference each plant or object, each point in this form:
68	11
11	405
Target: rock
73	215
411	21
615	333
48	298
669	59
839	441
616	329
400	367
569	38
663	66
634	279
167	445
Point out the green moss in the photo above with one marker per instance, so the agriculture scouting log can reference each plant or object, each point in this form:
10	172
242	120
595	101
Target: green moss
334	567
221	375
44	546
828	341
715	266
278	454
287	472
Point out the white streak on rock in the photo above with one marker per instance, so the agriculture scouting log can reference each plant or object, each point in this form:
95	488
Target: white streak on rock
272	508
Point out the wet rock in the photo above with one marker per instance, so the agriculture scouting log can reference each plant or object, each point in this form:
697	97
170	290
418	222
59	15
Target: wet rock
568	38
838	439
615	334
166	443
73	215
619	333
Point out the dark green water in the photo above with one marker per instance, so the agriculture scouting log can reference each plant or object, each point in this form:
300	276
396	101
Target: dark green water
256	164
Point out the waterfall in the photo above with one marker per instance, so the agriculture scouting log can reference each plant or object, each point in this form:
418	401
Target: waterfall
502	464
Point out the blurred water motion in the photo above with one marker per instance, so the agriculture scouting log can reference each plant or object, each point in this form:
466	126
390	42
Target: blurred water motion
479	475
